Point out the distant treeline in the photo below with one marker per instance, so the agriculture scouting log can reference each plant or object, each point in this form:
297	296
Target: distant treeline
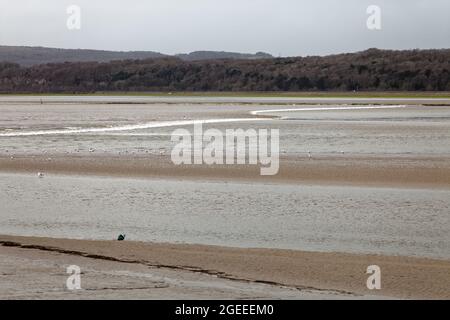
377	70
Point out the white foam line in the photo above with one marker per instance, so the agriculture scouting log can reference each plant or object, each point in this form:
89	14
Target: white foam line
148	125
325	109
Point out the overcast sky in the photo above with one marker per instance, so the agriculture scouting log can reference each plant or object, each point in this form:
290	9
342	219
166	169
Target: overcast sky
280	27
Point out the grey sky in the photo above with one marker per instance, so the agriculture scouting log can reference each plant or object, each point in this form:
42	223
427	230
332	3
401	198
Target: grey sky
285	27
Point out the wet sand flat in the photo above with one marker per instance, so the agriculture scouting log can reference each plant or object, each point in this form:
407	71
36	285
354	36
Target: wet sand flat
36	275
312	273
409	172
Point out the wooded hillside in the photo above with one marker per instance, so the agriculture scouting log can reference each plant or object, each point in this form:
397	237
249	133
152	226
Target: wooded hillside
378	70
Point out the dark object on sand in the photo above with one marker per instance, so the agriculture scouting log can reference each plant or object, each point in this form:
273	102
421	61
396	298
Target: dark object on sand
121	237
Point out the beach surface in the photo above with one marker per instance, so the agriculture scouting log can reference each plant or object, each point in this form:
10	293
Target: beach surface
400	171
34	267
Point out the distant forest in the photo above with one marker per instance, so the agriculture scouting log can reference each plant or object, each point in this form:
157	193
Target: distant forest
371	70
30	56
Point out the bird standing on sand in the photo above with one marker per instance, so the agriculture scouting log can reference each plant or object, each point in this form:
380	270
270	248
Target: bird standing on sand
121	237
40	175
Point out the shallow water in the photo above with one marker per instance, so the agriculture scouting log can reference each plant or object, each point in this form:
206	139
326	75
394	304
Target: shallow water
365	220
126	129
